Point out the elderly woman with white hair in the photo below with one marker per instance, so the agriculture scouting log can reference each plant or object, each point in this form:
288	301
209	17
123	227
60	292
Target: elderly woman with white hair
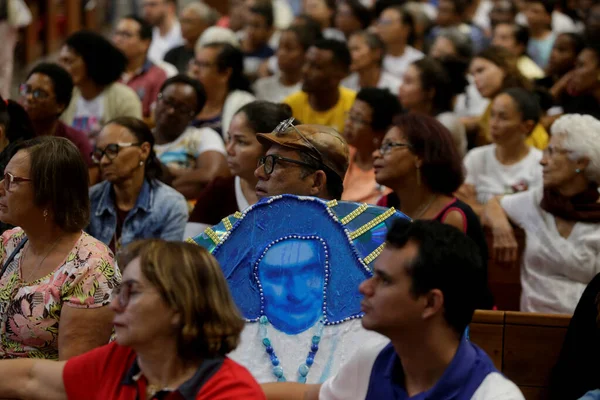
561	220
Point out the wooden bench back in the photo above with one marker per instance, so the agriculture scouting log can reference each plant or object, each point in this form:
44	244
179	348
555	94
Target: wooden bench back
524	346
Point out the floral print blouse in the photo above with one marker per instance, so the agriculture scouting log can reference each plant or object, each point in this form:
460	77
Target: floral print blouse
30	311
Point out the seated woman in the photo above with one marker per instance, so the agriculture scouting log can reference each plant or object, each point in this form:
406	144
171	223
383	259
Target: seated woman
419	162
494	70
369	118
95	66
584	86
193	156
131	203
508	165
293	44
562	61
561	220
430	87
224	196
175	322
220	68
367	51
351	16
56	280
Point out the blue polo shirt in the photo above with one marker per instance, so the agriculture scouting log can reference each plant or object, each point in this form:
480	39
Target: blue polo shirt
377	373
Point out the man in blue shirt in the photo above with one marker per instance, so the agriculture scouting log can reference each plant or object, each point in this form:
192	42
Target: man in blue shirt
421	298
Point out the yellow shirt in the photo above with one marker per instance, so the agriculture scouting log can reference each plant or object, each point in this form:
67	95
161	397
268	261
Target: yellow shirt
538	138
529	69
334	117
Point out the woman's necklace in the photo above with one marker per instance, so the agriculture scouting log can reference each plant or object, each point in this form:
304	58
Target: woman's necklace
421	210
304	368
43	259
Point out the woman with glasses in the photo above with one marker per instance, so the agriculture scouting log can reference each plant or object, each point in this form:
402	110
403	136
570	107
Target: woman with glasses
561	220
56	281
420	163
45	95
95	66
193	156
367	121
225	196
175	321
131	203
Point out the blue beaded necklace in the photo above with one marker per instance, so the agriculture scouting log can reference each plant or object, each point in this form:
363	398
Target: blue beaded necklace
304	368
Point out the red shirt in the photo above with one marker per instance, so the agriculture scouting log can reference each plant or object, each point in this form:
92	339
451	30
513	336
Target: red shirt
146	83
78	138
112	372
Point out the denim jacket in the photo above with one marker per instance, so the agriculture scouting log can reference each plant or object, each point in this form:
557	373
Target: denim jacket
159	212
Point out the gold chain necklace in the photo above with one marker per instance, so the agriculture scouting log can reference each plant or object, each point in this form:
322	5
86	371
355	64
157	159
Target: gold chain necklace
41	262
424	208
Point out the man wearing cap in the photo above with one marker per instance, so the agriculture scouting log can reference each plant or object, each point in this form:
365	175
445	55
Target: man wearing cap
305	160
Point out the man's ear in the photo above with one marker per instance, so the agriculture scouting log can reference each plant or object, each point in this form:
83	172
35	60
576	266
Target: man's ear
434	303
319	185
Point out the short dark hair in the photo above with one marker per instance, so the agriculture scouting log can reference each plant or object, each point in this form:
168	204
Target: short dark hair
447	260
17	128
264	116
104	63
334	184
461	6
139	129
548	5
194	83
307	34
527	104
445	76
339	49
230	57
61	81
265	10
521	34
407	19
145	32
577	40
360	12
442	169
384	104
60	180
373	41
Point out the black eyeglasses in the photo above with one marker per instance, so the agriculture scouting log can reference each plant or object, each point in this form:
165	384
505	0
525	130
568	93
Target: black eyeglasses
26	90
180	108
388	146
9	179
111	151
268	163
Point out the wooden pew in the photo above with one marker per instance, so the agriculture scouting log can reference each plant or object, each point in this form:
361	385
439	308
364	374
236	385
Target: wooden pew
524	346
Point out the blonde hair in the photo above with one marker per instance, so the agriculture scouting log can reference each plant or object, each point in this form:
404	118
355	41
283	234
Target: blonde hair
189	279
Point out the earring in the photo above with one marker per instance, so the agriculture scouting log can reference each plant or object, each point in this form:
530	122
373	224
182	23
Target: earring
577	171
418	176
141	163
45	214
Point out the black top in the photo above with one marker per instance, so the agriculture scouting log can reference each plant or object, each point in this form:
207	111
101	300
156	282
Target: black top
581	105
180	57
472	229
578	370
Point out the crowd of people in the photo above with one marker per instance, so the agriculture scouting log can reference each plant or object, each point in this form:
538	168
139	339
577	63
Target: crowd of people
474	118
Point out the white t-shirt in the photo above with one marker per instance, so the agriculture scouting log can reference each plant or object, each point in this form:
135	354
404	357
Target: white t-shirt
271	89
386	81
491	178
183	151
397	66
352	380
88	115
161	44
555	270
470	103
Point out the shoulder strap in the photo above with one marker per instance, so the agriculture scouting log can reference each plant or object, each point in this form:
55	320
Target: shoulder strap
12	255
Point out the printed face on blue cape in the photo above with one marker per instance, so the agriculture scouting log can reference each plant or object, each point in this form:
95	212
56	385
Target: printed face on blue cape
297	259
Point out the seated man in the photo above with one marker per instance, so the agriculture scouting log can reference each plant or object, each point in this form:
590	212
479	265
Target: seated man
133	36
419	297
305	160
322	100
515	38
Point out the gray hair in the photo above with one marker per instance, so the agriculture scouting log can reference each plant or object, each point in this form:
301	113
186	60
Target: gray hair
461	41
208	14
374	42
581	136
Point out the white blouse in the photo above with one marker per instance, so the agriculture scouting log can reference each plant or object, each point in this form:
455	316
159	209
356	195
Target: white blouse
555	270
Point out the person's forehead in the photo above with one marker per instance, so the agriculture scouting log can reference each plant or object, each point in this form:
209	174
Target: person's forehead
181	91
278	150
19	163
40	80
394	260
129	25
113	133
323	56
